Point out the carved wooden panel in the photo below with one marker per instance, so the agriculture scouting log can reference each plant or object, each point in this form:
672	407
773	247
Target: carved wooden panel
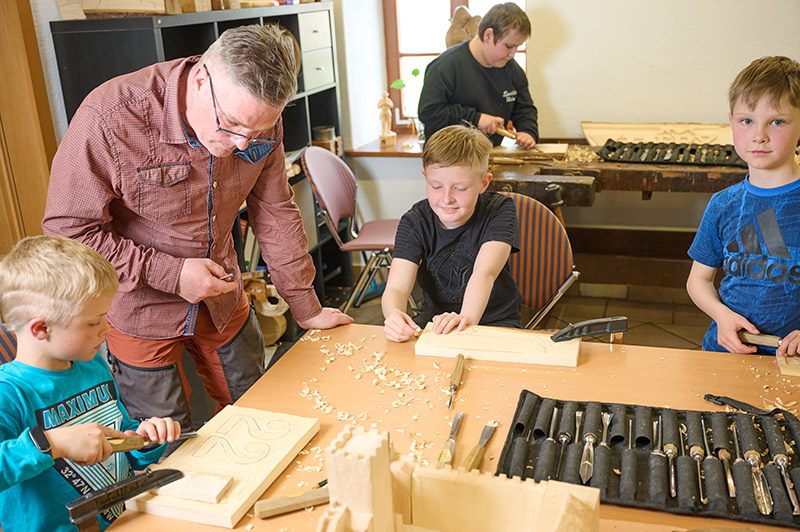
253	446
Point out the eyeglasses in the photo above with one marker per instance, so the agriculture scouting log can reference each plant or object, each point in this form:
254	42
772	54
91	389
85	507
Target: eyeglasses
220	129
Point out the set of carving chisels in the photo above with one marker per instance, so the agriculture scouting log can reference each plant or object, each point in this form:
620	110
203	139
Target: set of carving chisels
719	464
671	153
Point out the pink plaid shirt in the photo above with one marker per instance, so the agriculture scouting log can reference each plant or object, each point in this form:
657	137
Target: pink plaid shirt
127	181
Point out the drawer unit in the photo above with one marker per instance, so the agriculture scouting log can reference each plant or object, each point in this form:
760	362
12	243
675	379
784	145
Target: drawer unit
315	30
317	68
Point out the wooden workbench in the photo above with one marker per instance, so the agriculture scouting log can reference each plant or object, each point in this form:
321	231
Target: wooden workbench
306	381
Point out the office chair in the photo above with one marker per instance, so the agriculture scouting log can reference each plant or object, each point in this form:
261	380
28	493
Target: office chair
543	268
8	345
334	188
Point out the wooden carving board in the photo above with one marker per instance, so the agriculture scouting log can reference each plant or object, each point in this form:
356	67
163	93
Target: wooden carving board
252	446
499	344
789	365
597	133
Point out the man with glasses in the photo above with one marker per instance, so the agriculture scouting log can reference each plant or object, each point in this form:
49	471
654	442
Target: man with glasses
152	173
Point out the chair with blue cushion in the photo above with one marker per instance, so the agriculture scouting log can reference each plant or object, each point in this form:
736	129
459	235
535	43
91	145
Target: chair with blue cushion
8	345
543	268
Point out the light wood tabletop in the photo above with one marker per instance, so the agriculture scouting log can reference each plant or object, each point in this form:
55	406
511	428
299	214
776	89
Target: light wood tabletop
352	374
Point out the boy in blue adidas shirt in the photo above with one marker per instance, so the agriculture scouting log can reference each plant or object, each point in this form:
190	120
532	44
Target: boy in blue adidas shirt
59	401
752	229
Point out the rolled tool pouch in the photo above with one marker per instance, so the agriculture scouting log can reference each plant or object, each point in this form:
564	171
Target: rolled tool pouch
636	473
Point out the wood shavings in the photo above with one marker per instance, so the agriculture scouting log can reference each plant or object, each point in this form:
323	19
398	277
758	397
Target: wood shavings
581	154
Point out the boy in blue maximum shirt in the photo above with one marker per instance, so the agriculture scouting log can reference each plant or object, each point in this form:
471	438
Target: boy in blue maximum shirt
60	403
752	229
455	243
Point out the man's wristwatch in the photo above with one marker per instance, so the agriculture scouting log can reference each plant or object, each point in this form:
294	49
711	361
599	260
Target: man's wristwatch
39	440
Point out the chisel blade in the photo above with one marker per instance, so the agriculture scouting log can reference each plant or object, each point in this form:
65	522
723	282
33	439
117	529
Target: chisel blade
446	456
587	462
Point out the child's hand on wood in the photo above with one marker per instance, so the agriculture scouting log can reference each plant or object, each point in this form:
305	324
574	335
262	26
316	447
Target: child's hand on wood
399	327
444	323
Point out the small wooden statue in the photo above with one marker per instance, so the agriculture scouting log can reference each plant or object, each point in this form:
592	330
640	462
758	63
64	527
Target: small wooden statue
463	27
387	137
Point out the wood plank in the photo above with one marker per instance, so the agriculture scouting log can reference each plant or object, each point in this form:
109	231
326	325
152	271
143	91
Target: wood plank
253	446
204	487
499	344
598	132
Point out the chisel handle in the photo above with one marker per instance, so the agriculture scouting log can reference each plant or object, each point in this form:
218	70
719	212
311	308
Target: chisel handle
473	459
455	380
130	443
505	133
766	340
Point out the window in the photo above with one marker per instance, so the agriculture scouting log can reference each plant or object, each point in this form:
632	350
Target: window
415	32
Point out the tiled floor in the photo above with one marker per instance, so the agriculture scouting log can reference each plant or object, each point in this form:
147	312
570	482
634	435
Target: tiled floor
656	316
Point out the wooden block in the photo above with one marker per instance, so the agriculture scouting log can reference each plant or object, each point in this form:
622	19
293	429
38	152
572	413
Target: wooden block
71	9
597	133
333	145
195	6
388	139
259	3
252	446
124	6
203	487
499	344
450	501
281	505
789	365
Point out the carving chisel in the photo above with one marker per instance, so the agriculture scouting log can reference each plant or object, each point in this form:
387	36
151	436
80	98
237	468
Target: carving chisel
564	437
475	456
136	442
607	416
446	456
696	452
777	449
671	450
551	434
760	486
587	458
505	133
766	340
455	380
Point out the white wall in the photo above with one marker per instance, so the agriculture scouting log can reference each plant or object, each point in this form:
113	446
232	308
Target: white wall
647	61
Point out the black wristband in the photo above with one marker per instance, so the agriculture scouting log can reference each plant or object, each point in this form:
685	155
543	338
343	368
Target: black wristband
39	440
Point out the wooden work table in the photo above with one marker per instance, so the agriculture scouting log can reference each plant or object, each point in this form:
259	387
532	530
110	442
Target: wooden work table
306	380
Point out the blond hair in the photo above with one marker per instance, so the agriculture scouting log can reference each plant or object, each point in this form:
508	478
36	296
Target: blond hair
458	146
772	77
503	18
259	59
51	277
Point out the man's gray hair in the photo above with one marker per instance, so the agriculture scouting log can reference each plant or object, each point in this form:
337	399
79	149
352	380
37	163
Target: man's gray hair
259	59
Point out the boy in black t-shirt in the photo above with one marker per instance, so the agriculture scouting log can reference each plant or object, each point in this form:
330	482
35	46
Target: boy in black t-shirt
456	244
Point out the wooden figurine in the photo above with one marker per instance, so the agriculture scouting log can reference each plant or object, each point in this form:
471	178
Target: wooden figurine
388	137
463	27
370	494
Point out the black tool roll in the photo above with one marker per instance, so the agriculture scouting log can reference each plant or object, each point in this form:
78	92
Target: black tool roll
671	153
631	469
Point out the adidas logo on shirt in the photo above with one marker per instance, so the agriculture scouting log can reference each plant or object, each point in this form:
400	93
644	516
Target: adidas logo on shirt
761	266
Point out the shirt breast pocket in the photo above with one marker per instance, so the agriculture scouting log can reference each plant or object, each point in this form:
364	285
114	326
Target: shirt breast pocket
164	191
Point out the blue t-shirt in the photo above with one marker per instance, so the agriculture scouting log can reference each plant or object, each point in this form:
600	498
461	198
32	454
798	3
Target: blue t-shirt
754	235
34	488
